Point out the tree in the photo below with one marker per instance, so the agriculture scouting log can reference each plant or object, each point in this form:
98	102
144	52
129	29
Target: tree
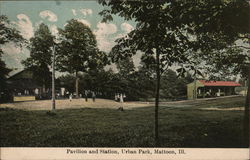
8	34
125	66
41	56
168	31
67	81
222	41
145	80
230	54
161	40
126	69
4	71
104	82
78	51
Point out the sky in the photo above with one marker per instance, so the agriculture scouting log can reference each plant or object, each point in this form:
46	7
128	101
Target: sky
27	15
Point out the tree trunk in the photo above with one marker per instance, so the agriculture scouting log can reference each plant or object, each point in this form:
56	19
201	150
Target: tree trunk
53	81
77	85
157	96
246	112
195	86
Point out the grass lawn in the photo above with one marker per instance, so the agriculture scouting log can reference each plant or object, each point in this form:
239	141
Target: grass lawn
103	127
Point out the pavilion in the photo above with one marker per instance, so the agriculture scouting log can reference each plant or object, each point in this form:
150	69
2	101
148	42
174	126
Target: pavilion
23	87
206	88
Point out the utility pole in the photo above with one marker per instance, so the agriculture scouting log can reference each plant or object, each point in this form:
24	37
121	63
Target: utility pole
195	90
53	79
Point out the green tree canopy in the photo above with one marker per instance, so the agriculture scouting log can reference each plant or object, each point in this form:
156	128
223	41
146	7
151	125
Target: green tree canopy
125	66
78	50
40	55
8	34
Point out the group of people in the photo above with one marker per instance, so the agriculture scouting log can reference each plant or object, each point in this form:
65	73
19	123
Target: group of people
119	97
86	93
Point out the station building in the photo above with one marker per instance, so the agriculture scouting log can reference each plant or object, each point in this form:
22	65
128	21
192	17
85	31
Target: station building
205	89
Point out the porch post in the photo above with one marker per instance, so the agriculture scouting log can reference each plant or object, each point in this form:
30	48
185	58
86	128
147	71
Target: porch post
203	93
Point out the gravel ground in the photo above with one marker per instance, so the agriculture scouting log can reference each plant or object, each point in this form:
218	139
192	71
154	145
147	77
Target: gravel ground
75	103
224	109
105	103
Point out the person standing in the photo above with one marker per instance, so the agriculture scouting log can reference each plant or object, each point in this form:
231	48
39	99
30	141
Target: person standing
116	97
121	102
86	95
67	94
70	97
93	96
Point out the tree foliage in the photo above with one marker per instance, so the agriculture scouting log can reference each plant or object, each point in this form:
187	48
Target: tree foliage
40	59
78	50
8	34
138	85
222	35
174	87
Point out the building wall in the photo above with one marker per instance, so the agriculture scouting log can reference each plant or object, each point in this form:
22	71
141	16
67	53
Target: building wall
190	89
241	90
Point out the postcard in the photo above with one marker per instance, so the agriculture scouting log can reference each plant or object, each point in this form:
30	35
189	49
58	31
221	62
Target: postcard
124	80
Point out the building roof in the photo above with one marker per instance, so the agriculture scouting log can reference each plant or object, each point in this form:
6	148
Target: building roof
219	83
24	74
22	84
22	80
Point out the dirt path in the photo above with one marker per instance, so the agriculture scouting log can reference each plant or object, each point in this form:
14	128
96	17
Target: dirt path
105	103
66	104
224	109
